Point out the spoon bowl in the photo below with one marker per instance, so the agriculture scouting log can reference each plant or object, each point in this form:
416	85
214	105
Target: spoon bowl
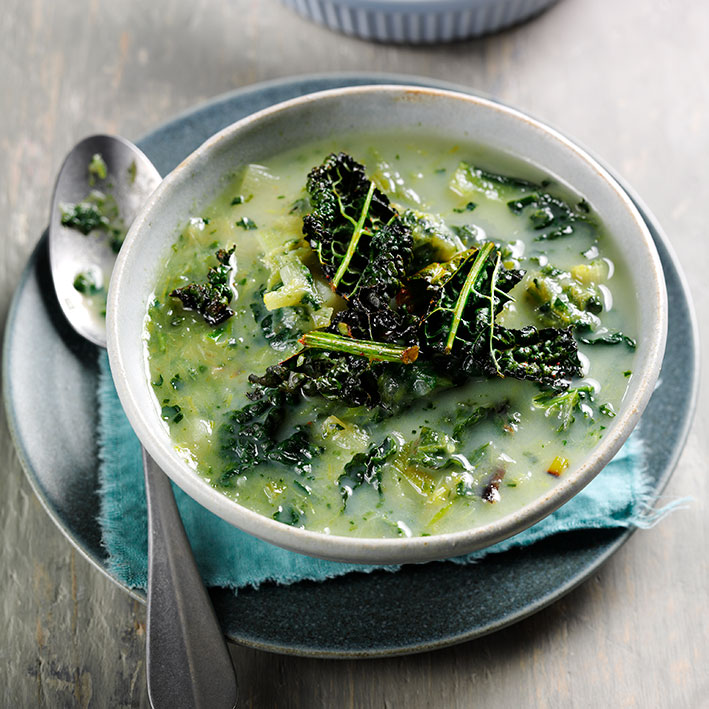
130	179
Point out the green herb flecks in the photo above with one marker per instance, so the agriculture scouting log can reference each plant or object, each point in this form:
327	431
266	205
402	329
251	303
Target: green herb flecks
246	223
98	170
98	211
88	283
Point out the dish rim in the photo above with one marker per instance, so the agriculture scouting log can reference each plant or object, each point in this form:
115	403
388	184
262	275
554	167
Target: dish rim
377	550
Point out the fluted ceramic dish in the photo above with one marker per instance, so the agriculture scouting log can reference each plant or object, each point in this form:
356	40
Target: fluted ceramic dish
199	178
418	21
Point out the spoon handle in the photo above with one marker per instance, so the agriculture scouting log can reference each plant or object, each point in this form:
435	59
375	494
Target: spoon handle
188	663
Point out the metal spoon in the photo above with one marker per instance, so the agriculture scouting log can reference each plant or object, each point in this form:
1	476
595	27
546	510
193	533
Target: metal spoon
188	663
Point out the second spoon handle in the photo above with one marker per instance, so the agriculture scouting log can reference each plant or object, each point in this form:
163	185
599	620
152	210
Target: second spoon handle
188	662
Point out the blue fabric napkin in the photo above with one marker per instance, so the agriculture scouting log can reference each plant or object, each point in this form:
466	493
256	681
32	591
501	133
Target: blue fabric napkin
228	557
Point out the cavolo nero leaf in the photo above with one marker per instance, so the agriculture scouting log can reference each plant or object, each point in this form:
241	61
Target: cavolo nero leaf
210	299
348	212
249	436
366	468
363	247
460	331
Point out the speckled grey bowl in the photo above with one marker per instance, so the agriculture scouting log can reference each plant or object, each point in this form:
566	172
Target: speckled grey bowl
459	117
418	21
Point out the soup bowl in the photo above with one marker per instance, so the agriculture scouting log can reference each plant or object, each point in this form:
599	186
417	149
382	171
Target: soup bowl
300	122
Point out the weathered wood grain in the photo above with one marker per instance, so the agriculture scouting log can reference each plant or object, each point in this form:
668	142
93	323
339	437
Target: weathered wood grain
627	79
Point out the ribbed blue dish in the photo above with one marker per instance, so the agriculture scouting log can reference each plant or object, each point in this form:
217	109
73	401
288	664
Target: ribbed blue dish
418	21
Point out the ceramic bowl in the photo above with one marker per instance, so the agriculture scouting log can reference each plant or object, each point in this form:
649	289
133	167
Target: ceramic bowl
459	117
418	21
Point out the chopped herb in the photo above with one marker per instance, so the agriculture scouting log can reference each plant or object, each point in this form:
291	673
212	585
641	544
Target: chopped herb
98	169
83	217
88	283
246	223
172	413
607	410
564	404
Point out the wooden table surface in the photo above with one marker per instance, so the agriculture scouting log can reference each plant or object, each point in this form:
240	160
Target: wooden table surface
627	79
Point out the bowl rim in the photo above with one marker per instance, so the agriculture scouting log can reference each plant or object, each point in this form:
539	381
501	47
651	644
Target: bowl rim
369	549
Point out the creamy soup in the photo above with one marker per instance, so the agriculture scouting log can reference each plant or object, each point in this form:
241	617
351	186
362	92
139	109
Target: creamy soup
376	367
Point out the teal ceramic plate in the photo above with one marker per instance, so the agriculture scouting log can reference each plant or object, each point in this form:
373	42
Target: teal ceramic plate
44	360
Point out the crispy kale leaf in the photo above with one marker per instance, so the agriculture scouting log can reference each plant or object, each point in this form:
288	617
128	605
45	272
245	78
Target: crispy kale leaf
348	214
363	247
249	436
211	299
337	376
460	332
548	356
353	380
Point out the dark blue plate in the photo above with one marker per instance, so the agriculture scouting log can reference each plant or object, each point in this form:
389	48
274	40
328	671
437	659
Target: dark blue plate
419	608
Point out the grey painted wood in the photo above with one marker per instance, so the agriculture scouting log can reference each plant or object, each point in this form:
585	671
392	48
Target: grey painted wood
626	79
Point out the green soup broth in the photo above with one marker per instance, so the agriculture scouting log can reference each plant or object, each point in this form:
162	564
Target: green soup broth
517	450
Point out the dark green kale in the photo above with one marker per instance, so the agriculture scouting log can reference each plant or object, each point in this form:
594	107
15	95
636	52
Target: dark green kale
369	354
250	436
548	213
337	376
460	332
211	299
353	379
563	405
363	247
610	338
548	356
366	468
348	212
358	236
